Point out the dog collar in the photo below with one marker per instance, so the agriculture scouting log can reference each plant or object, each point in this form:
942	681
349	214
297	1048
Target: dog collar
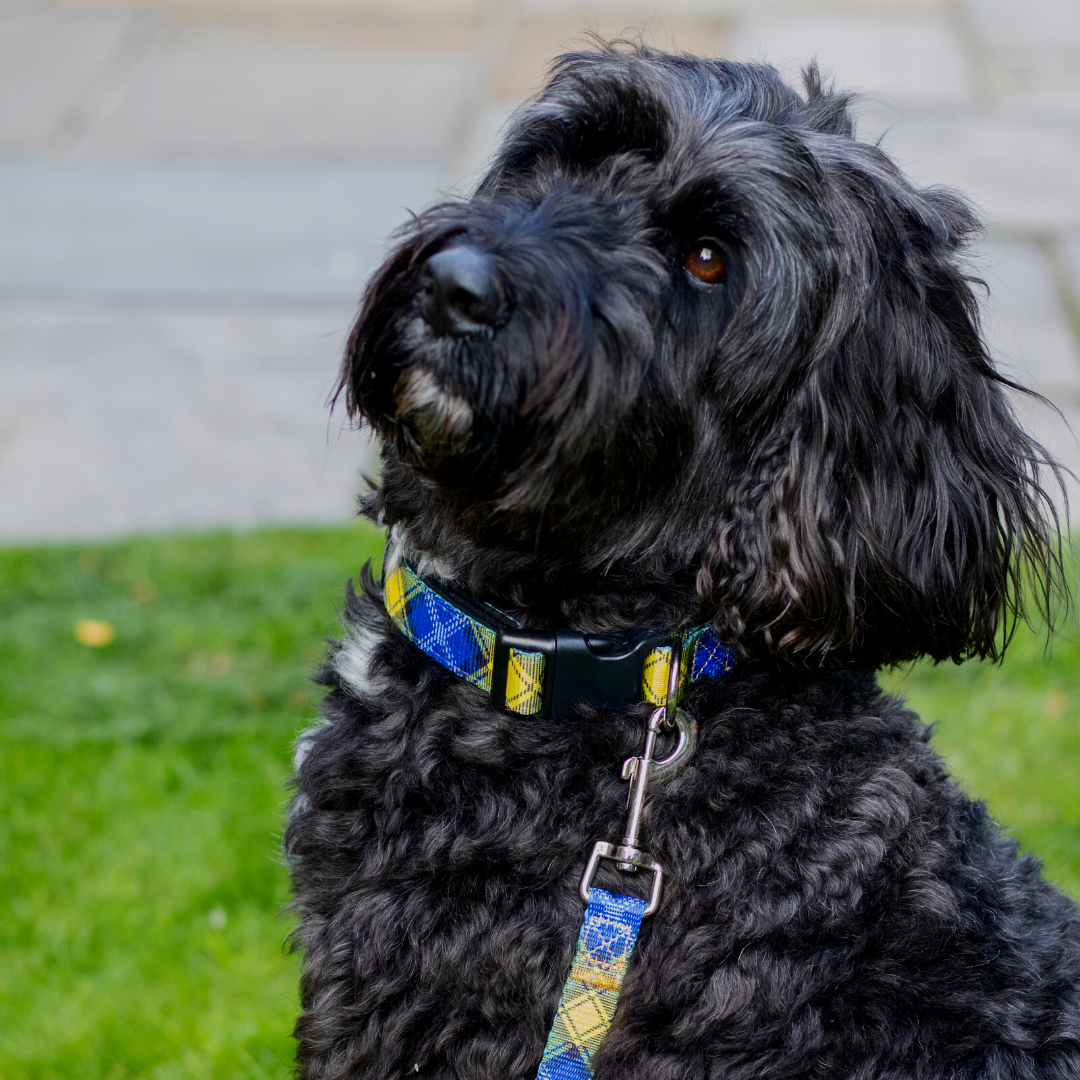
545	671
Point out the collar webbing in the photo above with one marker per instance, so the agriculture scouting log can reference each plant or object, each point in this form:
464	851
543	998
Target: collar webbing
545	671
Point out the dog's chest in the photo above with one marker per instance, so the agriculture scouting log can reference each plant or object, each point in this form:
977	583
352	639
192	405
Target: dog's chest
458	842
464	893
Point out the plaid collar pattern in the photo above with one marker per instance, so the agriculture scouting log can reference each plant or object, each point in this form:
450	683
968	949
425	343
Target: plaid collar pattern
547	671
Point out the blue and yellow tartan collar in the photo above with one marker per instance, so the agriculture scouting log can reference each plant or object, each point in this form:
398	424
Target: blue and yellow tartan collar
549	671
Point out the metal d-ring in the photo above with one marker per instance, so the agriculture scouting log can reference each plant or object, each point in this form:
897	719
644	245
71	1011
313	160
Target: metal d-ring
666	768
671	702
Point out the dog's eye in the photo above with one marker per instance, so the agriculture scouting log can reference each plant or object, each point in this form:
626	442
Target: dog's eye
705	263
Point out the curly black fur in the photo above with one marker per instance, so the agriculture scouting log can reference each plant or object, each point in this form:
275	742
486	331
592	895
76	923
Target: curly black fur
816	453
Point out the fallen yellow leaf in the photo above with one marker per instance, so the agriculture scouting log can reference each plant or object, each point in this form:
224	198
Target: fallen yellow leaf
94	633
1056	704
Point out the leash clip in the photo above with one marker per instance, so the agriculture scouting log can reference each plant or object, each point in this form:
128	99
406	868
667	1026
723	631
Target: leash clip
639	771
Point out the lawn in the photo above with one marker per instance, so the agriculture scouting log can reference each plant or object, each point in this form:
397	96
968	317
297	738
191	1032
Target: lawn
142	793
143	787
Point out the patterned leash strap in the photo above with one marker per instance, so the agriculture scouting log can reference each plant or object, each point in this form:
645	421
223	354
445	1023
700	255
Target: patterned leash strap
612	921
591	992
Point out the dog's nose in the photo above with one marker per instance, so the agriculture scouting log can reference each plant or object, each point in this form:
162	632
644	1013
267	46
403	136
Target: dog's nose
460	293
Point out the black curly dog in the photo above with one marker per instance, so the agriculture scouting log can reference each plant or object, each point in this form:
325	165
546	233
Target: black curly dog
690	352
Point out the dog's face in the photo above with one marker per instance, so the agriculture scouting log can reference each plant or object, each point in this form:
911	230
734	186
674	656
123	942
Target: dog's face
688	327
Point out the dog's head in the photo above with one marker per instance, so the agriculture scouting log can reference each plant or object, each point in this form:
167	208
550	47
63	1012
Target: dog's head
690	333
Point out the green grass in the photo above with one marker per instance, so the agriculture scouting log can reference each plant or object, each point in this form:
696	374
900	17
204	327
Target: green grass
142	791
1011	734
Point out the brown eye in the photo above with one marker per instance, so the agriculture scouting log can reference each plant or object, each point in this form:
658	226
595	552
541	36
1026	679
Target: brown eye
705	263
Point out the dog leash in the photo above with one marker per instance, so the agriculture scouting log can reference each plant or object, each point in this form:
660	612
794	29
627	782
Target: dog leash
612	921
529	672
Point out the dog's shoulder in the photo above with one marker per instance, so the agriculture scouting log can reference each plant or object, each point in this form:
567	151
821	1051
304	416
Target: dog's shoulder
845	882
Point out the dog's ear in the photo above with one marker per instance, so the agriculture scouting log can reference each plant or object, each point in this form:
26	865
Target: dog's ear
894	507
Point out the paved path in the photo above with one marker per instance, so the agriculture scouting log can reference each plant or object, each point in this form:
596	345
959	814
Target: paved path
192	191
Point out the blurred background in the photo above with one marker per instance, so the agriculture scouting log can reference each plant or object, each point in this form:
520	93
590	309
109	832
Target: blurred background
193	191
191	195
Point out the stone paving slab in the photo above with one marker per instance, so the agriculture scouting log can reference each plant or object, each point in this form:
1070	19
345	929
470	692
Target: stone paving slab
439	11
115	421
1068	273
216	232
1034	44
1026	329
914	58
1033	24
1055	427
1023	171
644	9
47	65
536	39
211	90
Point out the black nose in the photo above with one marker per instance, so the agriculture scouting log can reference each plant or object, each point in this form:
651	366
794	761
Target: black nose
460	293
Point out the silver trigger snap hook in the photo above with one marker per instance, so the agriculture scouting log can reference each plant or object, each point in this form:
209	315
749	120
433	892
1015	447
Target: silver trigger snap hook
666	768
667	716
639	771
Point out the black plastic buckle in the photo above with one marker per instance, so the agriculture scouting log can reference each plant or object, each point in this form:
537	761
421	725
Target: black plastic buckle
579	669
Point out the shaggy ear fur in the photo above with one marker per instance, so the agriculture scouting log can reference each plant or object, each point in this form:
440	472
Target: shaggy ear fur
898	509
